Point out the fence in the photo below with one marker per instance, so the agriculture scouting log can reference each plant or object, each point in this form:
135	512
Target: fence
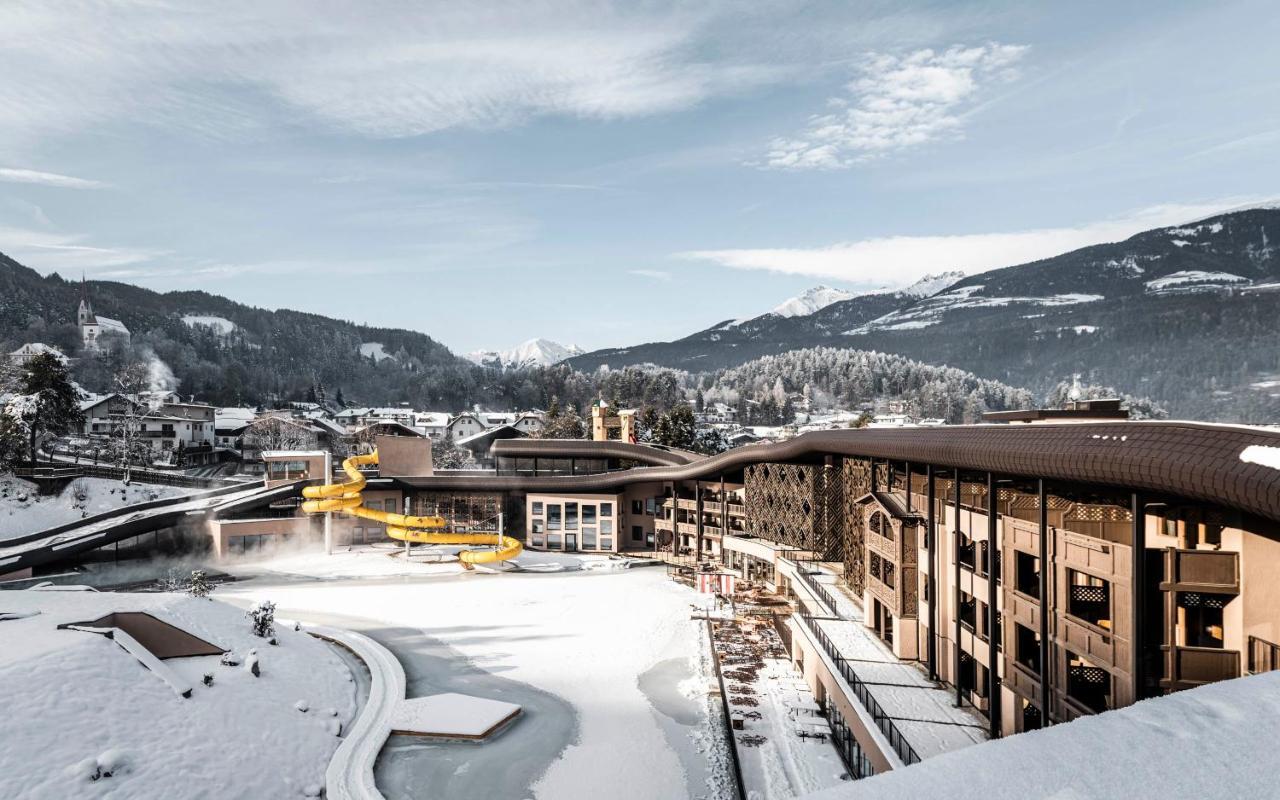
159	477
882	720
818	590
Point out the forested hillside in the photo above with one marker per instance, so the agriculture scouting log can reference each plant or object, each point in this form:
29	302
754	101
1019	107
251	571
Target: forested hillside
1187	315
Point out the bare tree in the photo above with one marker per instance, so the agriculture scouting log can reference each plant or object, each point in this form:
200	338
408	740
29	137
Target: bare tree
278	433
127	442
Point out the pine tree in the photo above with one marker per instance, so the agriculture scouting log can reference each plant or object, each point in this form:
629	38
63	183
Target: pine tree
48	403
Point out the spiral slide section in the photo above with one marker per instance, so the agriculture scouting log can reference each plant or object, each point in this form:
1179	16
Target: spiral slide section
345	497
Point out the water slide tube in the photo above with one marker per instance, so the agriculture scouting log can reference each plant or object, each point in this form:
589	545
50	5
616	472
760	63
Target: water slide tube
345	497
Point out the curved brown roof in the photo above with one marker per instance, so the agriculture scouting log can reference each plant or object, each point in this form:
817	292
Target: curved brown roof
1197	461
652	455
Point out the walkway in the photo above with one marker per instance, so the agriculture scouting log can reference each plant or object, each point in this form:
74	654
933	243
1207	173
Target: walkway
922	710
350	772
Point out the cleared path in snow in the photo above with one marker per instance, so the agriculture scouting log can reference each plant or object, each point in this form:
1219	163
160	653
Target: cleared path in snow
350	772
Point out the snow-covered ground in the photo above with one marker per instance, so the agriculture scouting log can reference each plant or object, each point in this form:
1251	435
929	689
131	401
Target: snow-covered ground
577	639
220	325
1212	741
74	701
23	511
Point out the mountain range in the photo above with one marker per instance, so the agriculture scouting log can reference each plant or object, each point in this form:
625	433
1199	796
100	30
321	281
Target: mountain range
532	353
1186	315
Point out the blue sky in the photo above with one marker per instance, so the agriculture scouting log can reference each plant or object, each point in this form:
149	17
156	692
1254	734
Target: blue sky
610	173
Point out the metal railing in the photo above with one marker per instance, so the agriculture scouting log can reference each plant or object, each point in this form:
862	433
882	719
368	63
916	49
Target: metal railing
882	720
819	591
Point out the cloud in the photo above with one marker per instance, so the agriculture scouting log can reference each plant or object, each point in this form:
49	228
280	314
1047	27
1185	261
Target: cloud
377	70
897	261
898	102
8	175
652	274
48	251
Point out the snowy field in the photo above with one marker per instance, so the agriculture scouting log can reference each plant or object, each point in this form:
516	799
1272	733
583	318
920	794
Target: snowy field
23	510
74	700
577	649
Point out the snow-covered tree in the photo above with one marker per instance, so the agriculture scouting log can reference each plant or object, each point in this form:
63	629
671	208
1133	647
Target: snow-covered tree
128	446
262	618
47	403
199	585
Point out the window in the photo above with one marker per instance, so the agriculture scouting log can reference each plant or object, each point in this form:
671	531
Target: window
889	573
1202	614
873	564
606	509
537	509
637	533
881	525
553	517
588	515
570	516
589	538
637	507
606	542
650	506
554	541
1089	598
1087	684
539	526
1027	574
1026	647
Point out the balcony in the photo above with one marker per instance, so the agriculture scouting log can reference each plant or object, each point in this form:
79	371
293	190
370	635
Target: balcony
1201	571
1188	667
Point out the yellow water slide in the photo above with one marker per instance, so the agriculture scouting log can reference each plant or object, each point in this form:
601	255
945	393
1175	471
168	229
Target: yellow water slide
345	497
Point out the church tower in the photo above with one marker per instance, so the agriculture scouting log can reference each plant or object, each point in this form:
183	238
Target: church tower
84	316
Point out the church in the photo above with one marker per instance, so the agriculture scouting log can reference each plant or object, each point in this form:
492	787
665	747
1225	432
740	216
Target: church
93	327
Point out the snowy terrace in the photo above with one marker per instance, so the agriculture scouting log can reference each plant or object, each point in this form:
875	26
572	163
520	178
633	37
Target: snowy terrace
924	713
1212	741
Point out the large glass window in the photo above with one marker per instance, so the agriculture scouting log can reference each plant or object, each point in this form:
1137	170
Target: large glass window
553	517
537	509
606	542
570	516
588	514
553	541
606	526
589	538
538	526
606	509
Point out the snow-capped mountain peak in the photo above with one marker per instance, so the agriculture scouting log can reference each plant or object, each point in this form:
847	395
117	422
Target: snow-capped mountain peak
930	285
533	353
812	301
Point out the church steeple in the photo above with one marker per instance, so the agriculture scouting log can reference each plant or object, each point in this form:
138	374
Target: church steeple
84	315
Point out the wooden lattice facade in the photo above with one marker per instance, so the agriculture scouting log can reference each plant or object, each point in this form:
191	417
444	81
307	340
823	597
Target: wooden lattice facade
857	484
798	505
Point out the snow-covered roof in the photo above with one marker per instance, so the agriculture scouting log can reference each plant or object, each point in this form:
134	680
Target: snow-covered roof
112	325
1138	751
431	419
37	348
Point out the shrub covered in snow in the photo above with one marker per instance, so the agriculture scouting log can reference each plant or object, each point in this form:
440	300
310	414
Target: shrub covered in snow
263	616
199	586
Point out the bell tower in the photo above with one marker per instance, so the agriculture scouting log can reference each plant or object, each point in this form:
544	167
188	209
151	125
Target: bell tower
84	315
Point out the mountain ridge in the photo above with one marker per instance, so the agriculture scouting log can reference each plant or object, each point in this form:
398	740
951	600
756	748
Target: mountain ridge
1159	309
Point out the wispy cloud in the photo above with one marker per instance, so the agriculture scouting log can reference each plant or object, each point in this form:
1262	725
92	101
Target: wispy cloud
652	274
10	175
896	103
897	261
50	251
379	71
